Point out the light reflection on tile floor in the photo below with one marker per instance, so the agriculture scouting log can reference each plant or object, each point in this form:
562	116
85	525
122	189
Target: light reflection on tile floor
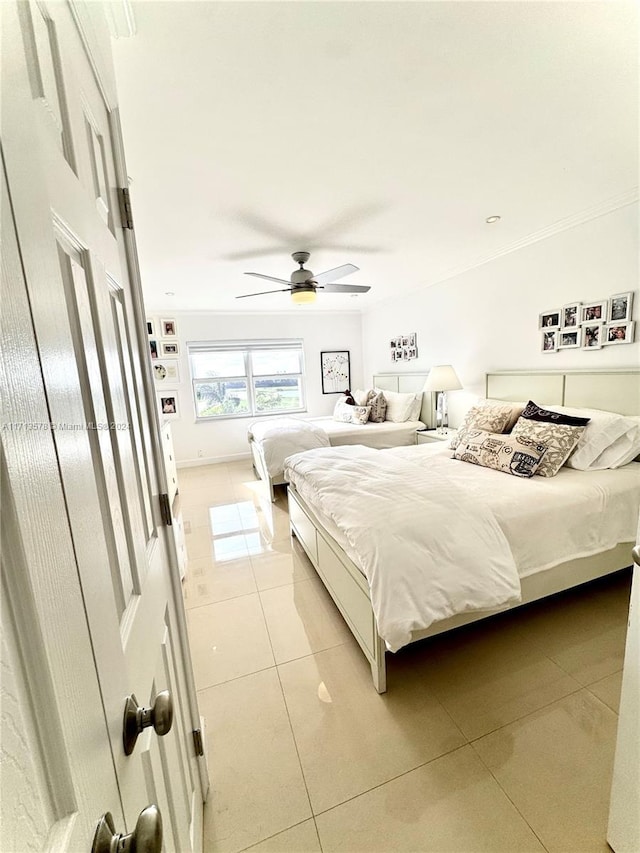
498	737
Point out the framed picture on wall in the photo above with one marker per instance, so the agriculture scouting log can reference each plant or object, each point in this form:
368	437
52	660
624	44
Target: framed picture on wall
168	328
170	349
168	401
569	338
153	348
336	371
550	340
618	333
570	315
620	306
549	320
595	312
150	329
592	335
166	371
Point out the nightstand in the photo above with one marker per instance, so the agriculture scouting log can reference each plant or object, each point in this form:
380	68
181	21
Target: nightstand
426	436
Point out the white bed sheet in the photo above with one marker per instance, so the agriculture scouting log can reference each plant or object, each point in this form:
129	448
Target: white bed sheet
545	521
281	437
379	436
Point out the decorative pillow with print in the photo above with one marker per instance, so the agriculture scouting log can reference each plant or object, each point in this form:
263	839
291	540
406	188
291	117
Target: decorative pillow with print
532	411
347	414
378	405
559	438
490	418
511	454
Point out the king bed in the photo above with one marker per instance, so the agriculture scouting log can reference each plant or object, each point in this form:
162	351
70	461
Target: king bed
411	542
272	440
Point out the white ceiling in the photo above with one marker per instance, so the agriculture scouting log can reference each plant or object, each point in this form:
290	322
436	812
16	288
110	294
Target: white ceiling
376	133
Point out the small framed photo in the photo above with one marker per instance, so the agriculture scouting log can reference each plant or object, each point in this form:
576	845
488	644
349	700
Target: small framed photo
399	354
570	315
166	371
168	328
618	333
550	341
569	338
150	329
594	312
170	350
592	335
168	401
153	348
549	320
412	353
620	306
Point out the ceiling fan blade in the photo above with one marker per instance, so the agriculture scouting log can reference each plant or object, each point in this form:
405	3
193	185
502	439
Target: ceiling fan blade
336	272
344	288
262	293
269	278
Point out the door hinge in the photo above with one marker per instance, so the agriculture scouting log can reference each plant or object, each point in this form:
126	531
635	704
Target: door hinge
126	215
165	510
197	742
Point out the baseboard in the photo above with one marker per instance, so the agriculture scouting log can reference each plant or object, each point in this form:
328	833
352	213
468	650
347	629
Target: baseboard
212	460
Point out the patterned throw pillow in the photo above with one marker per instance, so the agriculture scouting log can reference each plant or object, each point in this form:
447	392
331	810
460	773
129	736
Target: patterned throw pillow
378	405
346	414
559	438
488	417
534	412
512	454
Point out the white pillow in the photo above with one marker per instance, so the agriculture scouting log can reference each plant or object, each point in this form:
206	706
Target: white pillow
399	406
607	440
347	414
622	451
415	411
361	396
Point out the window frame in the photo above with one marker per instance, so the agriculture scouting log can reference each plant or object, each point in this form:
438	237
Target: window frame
247	347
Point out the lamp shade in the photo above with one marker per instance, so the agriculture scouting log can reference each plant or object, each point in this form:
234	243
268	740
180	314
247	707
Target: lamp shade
442	377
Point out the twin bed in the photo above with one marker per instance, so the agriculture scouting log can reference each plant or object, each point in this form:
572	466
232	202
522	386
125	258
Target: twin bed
272	440
410	542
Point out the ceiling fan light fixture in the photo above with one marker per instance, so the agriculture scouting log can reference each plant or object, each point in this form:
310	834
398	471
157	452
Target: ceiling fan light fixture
303	297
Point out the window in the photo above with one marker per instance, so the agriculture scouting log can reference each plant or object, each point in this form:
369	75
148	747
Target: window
247	378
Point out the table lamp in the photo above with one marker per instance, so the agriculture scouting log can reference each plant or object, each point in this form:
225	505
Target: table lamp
442	378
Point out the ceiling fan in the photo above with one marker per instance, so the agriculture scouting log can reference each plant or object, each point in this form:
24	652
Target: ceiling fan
304	284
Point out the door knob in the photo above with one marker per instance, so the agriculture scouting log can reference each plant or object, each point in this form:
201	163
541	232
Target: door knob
636	555
160	716
145	838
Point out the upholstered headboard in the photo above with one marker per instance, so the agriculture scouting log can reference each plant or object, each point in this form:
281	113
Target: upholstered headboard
611	390
405	383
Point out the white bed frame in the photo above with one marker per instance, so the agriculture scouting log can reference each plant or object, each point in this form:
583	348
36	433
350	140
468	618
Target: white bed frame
401	382
616	391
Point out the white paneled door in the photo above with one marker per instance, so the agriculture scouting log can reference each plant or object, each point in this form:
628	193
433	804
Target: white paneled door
92	612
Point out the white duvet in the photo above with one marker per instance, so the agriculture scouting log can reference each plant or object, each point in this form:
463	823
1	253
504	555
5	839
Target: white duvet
428	550
279	437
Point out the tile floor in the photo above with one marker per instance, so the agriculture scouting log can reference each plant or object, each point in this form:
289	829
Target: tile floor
498	737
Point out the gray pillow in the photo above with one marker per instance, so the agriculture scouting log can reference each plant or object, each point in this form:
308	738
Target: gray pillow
378	405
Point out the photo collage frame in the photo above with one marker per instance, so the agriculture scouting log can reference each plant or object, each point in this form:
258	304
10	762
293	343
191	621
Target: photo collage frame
404	347
588	325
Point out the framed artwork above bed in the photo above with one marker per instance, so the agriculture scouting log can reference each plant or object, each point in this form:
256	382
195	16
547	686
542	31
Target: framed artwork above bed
336	371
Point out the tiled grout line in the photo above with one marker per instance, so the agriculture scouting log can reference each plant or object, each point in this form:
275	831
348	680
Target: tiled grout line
286	707
276	834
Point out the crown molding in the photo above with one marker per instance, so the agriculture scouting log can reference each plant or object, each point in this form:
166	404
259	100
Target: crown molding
587	215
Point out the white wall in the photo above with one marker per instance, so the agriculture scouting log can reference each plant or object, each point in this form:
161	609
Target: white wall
487	318
198	443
